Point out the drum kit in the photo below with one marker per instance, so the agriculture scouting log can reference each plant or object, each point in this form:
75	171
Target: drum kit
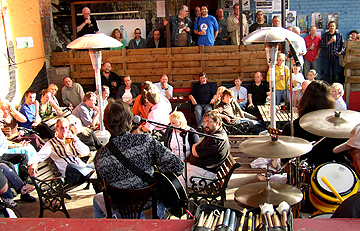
324	123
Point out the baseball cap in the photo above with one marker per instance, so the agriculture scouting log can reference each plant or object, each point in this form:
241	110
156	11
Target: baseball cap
353	142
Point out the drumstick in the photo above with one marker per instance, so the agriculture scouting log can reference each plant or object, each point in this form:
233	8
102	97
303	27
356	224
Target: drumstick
283	209
221	218
323	178
201	219
261	217
214	223
242	220
276	220
268	210
257	220
209	221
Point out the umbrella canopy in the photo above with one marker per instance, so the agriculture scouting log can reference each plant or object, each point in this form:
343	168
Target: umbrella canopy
271	34
94	41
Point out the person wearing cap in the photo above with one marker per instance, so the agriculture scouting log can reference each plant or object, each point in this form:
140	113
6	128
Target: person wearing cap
350	208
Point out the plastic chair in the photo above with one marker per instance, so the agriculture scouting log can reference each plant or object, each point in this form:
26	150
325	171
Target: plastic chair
129	203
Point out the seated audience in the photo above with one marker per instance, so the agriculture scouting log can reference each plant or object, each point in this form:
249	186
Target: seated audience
209	154
64	149
53	90
19	186
72	93
202	95
337	92
87	111
174	140
141	108
297	80
116	34
240	92
156	41
30	109
316	97
300	92
258	91
142	150
10	117
164	87
312	74
219	94
128	92
138	42
46	105
105	95
350	208
282	75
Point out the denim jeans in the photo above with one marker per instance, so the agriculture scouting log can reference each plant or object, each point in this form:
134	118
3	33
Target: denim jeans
99	208
285	94
334	66
12	177
200	110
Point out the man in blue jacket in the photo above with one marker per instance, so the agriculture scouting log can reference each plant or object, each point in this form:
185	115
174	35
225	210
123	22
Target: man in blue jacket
181	28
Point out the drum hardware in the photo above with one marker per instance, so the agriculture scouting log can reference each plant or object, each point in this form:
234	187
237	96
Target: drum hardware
330	123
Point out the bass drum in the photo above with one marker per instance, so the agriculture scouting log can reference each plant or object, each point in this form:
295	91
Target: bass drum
341	177
172	193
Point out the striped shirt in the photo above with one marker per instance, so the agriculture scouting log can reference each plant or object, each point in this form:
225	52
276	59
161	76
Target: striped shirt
331	51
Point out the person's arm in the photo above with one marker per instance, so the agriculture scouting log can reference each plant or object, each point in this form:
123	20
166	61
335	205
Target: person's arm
82	148
193	150
56	107
95	120
81	26
37	119
250	100
64	97
232	24
17	115
40	156
193	101
215	34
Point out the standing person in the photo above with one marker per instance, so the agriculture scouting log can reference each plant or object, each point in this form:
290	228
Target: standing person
337	92
223	37
299	46
282	75
128	92
258	91
164	87
259	22
240	93
72	93
202	95
276	21
233	25
142	150
86	24
197	12
64	154
333	46
206	27
116	34
110	79
156	41
87	111
30	109
138	42
312	42
181	28
297	80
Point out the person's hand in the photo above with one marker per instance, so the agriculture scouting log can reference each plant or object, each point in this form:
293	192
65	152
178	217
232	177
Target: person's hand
202	32
227	119
187	29
332	39
114	84
88	21
24	143
212	101
59	112
166	22
281	77
71	106
165	85
241	100
32	170
193	101
96	108
339	53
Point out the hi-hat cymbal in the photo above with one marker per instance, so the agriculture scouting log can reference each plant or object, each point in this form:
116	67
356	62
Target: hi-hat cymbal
329	124
256	194
284	147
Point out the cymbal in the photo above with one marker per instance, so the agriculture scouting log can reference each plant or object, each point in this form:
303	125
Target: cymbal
256	194
326	123
284	147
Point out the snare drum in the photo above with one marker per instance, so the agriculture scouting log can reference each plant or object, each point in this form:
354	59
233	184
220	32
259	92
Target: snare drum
341	177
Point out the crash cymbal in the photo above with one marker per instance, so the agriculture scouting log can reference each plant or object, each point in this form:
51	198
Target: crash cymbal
256	194
329	124
283	147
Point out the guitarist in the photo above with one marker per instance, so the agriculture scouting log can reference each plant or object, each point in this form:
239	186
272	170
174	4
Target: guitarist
142	150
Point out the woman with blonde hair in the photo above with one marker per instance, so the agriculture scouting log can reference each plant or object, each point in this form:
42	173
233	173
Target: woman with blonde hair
337	93
173	139
116	34
53	90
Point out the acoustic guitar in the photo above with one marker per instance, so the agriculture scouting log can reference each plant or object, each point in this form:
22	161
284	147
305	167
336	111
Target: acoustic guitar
172	193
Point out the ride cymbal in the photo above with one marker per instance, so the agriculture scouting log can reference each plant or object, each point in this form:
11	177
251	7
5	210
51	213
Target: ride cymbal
256	194
283	147
330	123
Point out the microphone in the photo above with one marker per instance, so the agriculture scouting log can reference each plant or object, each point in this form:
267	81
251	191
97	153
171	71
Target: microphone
139	119
294	53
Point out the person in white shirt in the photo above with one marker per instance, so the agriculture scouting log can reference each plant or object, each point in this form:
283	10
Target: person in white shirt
337	92
297	80
240	93
64	150
164	87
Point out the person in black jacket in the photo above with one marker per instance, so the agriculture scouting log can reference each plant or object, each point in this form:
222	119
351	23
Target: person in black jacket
127	92
156	41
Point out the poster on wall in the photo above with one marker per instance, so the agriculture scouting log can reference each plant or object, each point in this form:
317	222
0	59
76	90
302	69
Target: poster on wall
317	20
290	18
160	8
246	4
277	5
227	5
332	17
302	23
264	6
249	16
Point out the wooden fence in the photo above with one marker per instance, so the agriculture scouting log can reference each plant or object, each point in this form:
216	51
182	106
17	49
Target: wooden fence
352	68
182	65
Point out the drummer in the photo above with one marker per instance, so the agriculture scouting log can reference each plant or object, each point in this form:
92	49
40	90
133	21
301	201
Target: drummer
350	208
317	96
